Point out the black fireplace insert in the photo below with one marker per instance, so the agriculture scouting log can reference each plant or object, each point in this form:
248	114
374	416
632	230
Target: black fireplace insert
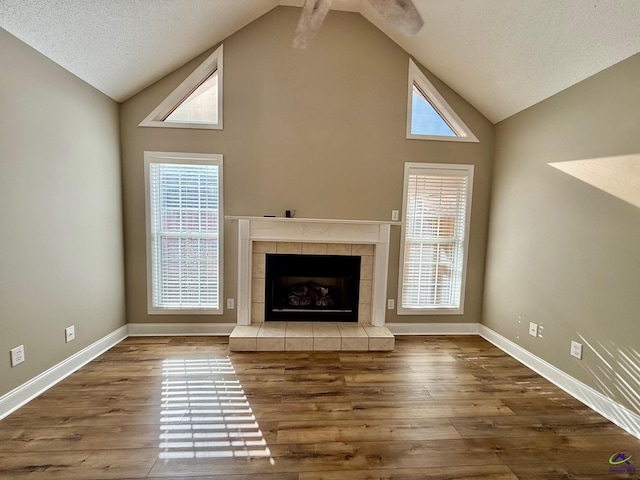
312	287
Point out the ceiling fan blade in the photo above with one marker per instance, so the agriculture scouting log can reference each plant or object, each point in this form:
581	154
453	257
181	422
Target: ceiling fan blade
400	14
313	14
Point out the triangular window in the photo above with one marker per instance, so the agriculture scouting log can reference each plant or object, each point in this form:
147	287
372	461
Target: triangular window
429	116
196	102
199	107
425	119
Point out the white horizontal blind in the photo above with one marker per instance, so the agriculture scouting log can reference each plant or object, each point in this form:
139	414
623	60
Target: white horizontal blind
435	231
185	234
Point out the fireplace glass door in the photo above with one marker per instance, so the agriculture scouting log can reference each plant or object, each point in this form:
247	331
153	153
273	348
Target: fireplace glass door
312	288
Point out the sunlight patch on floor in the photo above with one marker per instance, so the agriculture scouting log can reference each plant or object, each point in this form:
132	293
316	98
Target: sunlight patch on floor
205	412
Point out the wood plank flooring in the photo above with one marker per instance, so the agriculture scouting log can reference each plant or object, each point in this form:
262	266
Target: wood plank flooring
434	408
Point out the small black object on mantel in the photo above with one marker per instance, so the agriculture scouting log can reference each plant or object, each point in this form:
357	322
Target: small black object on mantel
269	216
289	213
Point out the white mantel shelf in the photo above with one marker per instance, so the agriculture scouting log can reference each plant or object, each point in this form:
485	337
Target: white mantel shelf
316	230
311	220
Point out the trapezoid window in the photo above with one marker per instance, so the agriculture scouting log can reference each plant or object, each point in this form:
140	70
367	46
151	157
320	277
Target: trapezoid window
429	116
196	102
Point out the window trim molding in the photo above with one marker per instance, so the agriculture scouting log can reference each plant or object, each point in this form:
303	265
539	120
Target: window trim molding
183	158
436	168
463	133
181	92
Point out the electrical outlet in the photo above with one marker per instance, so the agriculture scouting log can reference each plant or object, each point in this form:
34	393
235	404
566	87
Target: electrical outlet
231	304
17	355
576	350
391	304
395	215
70	334
533	329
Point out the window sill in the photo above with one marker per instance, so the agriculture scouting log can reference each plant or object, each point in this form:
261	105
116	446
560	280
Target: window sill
184	311
430	311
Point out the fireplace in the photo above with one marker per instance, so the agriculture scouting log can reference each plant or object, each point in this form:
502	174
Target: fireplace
312	287
258	236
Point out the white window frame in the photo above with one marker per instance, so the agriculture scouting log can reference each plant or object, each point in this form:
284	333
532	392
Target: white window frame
182	92
186	159
435	169
437	101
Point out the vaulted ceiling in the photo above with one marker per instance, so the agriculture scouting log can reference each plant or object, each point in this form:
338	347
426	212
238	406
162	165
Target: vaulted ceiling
502	56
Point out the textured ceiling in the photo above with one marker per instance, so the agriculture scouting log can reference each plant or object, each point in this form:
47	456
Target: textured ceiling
122	46
501	55
506	55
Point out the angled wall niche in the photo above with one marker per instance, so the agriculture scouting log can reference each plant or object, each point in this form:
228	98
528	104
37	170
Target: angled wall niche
196	102
429	116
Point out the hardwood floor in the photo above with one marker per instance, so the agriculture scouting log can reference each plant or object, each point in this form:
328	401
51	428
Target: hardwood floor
434	408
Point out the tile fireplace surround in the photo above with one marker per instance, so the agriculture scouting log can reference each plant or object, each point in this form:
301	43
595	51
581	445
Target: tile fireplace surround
260	235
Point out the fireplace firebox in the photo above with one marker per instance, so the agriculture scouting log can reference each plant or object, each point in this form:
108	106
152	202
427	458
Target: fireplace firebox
312	287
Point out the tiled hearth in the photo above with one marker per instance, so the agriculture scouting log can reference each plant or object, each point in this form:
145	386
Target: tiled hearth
258	236
306	336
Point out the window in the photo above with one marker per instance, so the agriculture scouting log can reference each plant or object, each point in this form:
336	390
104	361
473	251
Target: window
184	232
429	116
199	107
435	231
425	119
196	102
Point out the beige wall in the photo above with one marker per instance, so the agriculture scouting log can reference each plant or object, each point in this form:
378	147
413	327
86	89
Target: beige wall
562	253
61	255
321	131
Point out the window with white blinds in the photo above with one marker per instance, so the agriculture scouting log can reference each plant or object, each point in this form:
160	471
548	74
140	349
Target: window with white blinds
437	207
184	211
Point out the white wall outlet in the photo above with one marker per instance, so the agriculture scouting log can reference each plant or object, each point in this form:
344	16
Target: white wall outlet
17	355
70	334
576	350
533	329
395	215
231	304
391	304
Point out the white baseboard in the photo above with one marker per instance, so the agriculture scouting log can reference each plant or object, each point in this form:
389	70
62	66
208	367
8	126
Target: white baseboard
433	328
180	329
616	413
223	329
19	396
